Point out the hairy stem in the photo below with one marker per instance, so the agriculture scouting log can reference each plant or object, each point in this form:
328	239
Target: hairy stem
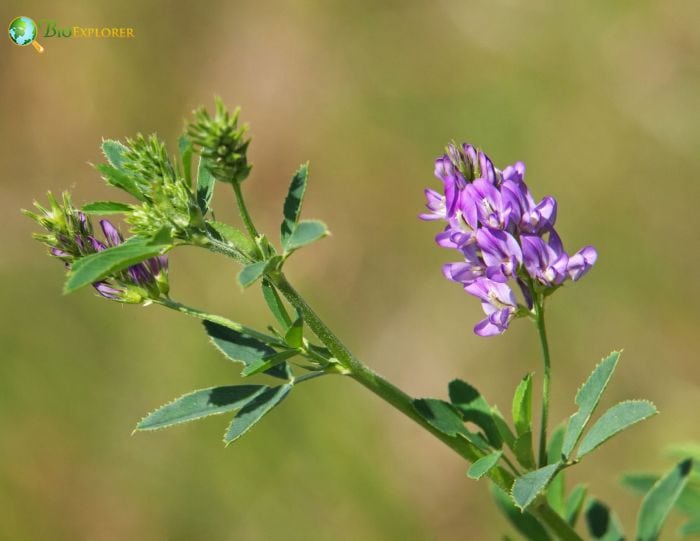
542	331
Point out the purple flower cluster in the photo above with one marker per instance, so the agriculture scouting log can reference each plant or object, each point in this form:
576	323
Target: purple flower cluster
70	236
501	233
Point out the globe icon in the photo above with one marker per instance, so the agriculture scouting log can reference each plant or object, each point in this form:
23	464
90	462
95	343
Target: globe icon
22	30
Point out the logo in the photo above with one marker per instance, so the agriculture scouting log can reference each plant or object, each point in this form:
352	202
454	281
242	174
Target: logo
23	31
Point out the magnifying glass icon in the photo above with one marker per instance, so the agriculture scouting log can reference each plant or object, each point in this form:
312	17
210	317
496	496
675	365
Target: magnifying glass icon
22	32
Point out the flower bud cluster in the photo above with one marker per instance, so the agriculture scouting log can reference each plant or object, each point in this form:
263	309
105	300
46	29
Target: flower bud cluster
70	236
222	143
168	201
501	233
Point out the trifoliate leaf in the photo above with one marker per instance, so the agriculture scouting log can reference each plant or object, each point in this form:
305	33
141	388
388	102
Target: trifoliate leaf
587	399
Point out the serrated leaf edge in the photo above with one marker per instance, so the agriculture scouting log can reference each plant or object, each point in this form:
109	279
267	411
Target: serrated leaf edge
155	429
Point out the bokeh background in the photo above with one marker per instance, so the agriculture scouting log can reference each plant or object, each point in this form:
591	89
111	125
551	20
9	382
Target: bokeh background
600	99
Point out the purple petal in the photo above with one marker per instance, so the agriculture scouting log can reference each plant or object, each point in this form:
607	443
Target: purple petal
114	238
515	172
581	262
108	291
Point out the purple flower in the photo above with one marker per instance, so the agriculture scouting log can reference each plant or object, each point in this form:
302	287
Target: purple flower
453	182
498	302
492	209
501	253
528	216
468	270
501	234
581	262
545	262
108	291
515	172
436	205
462	226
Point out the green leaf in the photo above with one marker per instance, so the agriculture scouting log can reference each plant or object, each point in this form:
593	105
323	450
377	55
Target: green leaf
205	185
522	521
293	201
503	429
119	179
659	501
275	304
522	406
242	348
268	363
250	273
106	207
556	441
235	237
114	152
587	399
295	334
692	527
688	502
305	232
198	404
556	491
255	410
475	409
527	487
184	145
574	504
482	466
603	524
95	267
445	418
616	419
522	448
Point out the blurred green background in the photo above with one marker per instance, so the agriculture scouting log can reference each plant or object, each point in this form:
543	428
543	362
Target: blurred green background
600	99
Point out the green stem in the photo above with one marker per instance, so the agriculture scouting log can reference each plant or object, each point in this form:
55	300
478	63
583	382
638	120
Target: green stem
404	403
199	314
557	525
243	210
542	331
